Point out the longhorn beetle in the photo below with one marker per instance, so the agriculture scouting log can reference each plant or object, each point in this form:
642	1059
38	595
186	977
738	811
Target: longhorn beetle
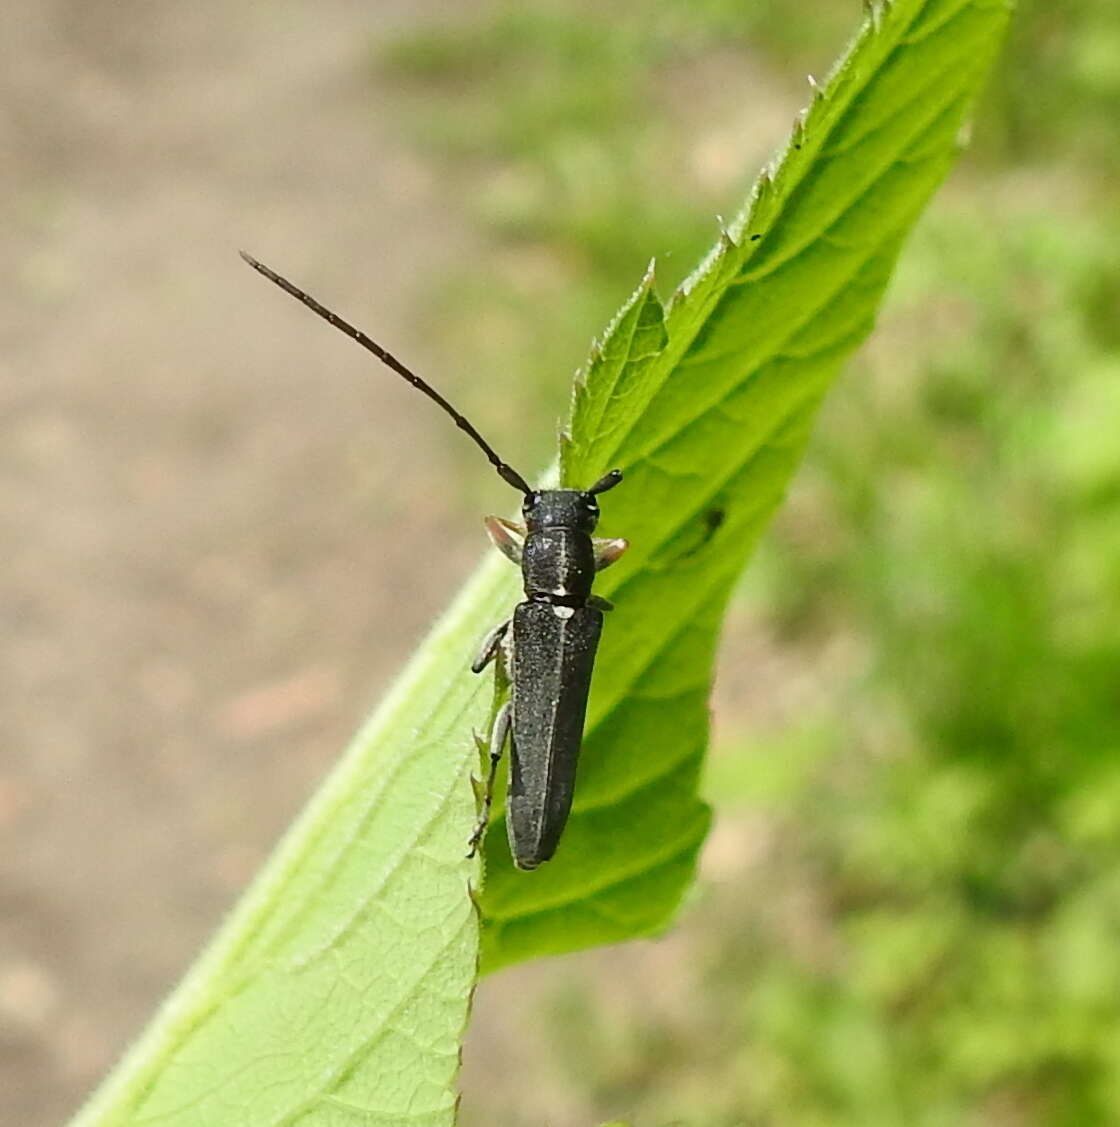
548	647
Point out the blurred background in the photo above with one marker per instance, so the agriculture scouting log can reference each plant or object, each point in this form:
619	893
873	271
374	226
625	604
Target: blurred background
223	530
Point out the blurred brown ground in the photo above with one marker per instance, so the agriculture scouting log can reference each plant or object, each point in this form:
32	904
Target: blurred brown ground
213	555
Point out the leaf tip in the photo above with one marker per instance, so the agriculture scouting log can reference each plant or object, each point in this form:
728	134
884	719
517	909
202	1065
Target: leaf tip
475	895
797	136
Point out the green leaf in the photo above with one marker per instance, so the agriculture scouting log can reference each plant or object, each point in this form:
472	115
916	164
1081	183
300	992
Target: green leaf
707	406
338	991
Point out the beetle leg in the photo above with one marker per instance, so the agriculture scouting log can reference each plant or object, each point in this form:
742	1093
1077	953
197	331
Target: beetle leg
498	739
490	646
599	603
607	551
507	537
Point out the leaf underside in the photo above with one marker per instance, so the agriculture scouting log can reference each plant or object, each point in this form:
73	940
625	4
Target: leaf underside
338	990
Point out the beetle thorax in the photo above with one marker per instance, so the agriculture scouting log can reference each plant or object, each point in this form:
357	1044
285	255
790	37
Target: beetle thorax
558	561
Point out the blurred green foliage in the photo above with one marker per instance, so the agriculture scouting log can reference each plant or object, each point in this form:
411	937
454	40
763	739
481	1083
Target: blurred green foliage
928	932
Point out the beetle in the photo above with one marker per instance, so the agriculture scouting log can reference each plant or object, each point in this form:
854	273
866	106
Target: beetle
546	649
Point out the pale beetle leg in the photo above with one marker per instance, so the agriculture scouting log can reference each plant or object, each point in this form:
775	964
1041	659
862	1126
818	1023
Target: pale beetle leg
507	537
498	737
490	646
608	551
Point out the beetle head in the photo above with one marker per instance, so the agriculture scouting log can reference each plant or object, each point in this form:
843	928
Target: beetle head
561	508
567	508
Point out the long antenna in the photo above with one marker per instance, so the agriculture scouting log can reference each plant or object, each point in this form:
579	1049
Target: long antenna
505	472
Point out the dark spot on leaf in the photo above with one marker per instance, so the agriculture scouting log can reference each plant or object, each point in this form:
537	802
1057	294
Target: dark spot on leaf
710	522
713	518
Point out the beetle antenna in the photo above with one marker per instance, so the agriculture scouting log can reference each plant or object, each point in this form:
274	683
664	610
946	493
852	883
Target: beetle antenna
505	472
